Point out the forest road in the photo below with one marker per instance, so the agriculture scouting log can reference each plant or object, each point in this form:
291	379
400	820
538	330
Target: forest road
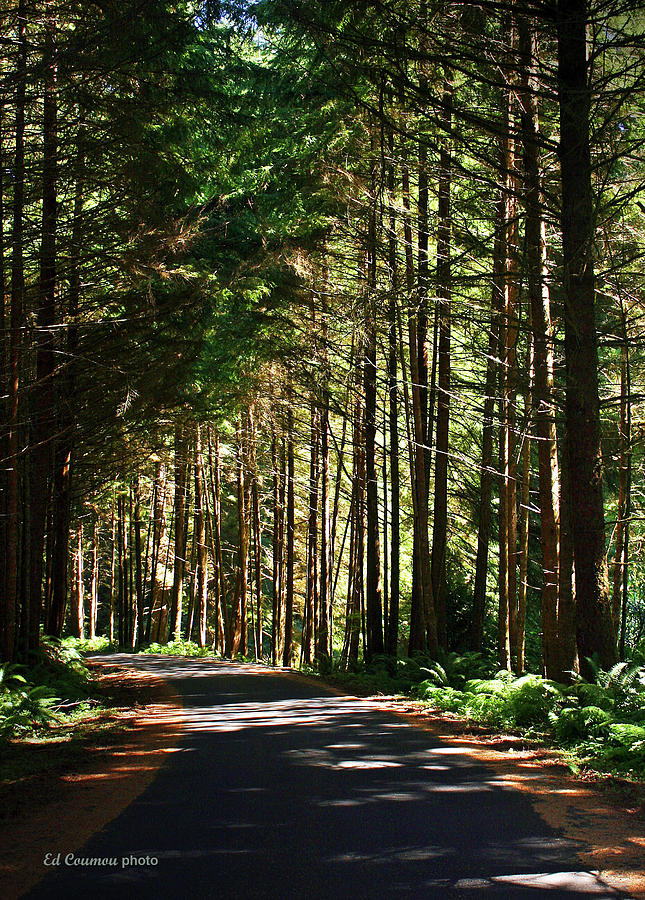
280	788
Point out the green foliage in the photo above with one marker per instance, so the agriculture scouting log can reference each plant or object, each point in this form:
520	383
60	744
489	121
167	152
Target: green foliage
574	723
602	722
181	648
96	645
57	685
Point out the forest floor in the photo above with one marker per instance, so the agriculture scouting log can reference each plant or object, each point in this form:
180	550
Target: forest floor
59	797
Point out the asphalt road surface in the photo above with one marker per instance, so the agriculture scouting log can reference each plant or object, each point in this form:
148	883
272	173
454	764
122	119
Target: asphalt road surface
281	789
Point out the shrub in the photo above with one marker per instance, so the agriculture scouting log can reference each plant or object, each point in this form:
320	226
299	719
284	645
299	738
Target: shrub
574	723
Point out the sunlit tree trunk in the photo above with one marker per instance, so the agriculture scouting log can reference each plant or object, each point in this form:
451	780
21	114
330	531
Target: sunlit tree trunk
200	543
290	548
181	467
444	289
539	301
392	635
373	594
311	596
222	625
257	535
621	560
94	583
78	615
323	641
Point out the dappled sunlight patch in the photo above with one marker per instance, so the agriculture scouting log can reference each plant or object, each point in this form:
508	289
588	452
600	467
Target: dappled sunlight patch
404	854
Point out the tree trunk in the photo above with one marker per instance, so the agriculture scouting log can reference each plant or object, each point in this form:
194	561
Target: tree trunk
543	400
594	625
278	516
222	627
78	617
200	542
257	537
138	568
373	597
311	596
15	342
40	462
289	596
444	288
323	638
392	635
181	466
94	585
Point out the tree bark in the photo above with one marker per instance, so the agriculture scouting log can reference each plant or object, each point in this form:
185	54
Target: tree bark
594	624
181	466
42	405
15	344
200	541
289	594
543	399
444	290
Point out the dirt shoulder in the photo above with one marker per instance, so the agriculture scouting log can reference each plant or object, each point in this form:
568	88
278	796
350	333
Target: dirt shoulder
61	794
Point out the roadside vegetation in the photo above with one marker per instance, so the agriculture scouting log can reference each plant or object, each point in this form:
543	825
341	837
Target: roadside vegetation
55	697
598	725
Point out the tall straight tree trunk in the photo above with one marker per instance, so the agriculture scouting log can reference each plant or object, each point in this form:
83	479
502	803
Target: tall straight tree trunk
594	624
422	613
621	566
291	512
138	568
508	615
239	644
113	570
40	462
476	634
278	516
323	638
200	542
78	616
94	583
158	531
567	643
539	302
311	596
373	596
444	290
257	536
181	467
223	631
392	636
15	343
525	497
66	409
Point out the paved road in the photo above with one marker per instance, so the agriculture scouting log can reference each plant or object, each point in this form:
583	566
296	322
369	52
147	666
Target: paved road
280	789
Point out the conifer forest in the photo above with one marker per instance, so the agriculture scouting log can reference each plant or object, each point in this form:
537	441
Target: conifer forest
322	330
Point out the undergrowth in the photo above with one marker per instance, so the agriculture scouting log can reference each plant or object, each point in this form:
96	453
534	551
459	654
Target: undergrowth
57	689
181	648
600	723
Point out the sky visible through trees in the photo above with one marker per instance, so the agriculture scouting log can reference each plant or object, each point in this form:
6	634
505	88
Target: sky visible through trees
322	329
